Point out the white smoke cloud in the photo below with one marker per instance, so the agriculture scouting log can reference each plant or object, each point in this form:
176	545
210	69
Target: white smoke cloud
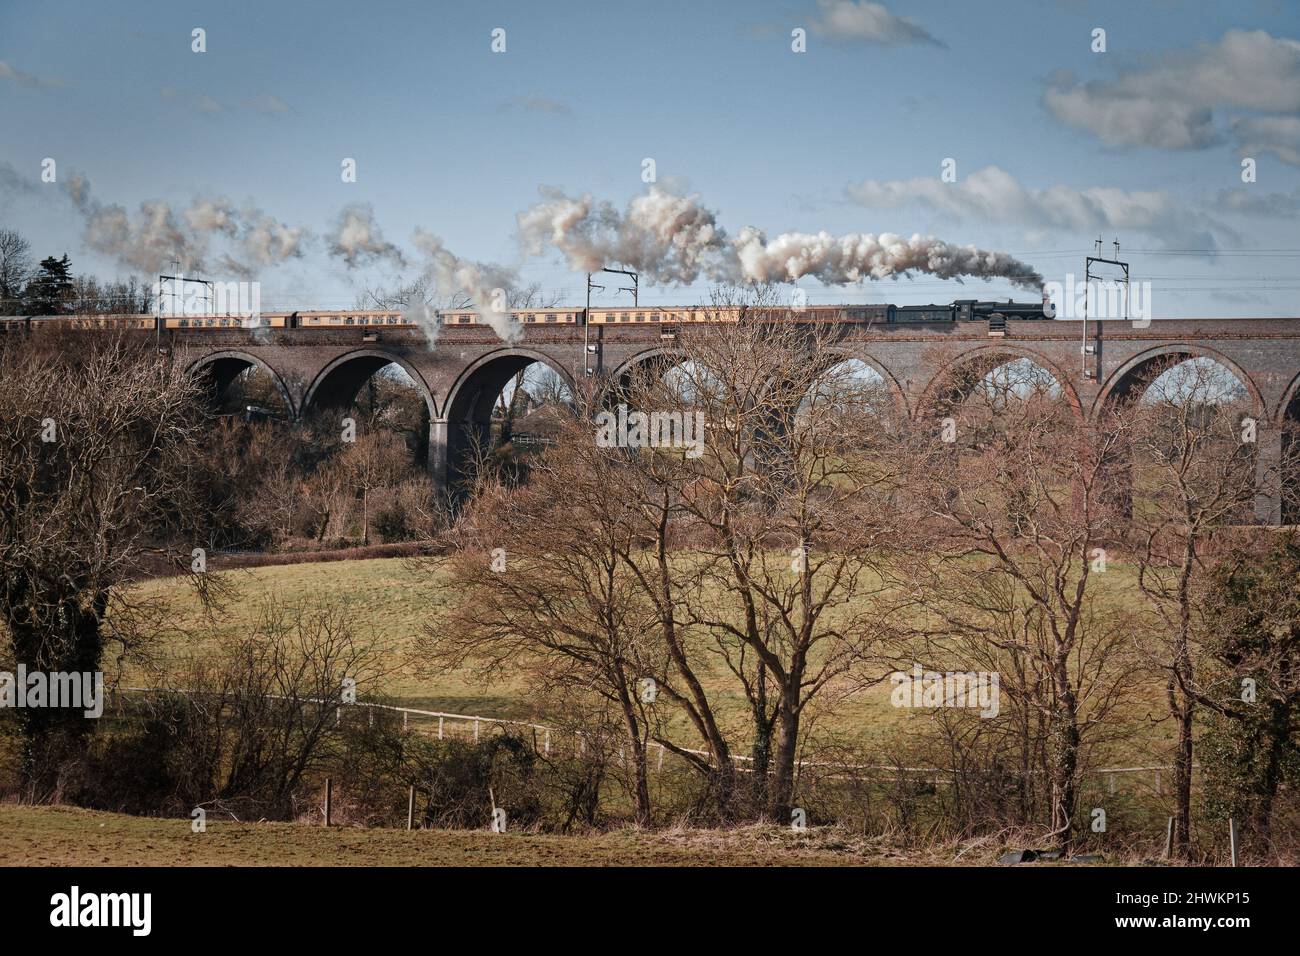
667	238
213	215
487	286
673	239
263	242
158	234
358	240
846	259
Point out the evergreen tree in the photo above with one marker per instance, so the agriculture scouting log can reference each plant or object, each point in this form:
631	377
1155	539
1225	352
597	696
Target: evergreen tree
49	290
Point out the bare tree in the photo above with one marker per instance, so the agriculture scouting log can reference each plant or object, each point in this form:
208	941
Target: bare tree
1022	500
541	584
1193	468
788	505
377	459
98	442
254	721
15	270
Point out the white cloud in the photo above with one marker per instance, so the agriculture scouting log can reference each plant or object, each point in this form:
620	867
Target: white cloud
1279	135
867	22
992	194
31	80
1245	201
1171	104
537	104
205	103
267	103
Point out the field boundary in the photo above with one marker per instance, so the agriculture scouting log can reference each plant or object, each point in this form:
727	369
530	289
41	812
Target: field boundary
477	721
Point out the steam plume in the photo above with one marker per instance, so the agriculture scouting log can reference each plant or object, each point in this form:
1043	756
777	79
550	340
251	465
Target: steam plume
357	239
486	285
842	260
674	239
157	234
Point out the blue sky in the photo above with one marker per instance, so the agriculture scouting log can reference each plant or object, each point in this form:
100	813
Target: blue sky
1053	142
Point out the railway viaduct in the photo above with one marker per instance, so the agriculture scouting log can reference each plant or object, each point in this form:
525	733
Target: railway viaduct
462	372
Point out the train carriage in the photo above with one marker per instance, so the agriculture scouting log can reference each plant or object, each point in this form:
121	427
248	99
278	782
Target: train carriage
665	316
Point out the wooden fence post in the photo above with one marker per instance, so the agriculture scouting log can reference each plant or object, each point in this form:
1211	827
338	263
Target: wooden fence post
410	808
329	799
439	728
1169	839
1232	839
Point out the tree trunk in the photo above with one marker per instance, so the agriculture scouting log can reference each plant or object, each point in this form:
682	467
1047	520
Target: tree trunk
1063	769
762	749
636	745
1183	785
780	791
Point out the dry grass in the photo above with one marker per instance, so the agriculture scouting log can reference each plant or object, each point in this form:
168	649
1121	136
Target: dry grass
64	836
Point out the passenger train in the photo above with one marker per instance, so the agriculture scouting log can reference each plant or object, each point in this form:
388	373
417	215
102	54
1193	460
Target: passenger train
962	310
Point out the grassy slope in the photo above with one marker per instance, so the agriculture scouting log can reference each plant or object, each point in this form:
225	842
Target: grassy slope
395	603
63	836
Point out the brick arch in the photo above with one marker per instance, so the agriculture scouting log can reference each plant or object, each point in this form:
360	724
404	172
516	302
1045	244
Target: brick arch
468	406
349	371
512	358
847	352
1288	409
227	364
671	356
1135	373
995	356
665	356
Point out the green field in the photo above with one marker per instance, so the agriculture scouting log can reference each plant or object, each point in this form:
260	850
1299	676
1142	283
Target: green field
394	602
386	601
